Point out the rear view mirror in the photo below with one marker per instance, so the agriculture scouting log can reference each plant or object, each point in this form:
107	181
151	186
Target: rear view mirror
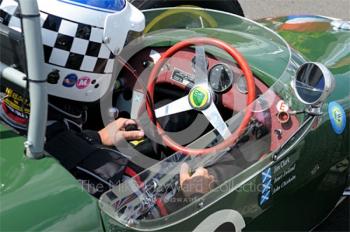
313	84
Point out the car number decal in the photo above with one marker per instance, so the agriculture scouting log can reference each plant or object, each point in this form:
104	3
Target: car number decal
215	220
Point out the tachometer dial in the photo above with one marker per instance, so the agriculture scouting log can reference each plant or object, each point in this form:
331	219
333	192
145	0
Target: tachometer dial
220	77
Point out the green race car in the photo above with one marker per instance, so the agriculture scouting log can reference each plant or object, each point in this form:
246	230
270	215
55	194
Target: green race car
263	105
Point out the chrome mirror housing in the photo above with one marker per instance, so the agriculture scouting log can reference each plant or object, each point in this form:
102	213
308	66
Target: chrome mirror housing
313	84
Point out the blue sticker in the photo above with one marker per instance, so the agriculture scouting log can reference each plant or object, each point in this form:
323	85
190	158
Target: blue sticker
266	179
105	5
70	80
337	117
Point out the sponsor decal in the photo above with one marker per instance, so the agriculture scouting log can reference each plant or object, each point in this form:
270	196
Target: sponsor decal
16	107
70	80
16	103
182	78
337	117
83	82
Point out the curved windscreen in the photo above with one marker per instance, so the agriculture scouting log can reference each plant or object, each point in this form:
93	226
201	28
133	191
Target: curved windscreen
155	199
258	44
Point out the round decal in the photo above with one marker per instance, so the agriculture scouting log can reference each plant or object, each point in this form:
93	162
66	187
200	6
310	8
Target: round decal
337	117
282	106
199	97
83	82
70	80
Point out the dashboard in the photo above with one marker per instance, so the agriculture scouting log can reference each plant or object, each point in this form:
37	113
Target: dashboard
224	76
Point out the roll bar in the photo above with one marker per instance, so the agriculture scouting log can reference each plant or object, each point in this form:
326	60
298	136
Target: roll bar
37	82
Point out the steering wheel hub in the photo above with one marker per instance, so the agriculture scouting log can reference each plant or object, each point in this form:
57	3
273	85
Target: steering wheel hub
200	97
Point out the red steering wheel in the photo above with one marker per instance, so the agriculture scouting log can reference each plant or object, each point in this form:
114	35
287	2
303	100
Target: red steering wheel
200	96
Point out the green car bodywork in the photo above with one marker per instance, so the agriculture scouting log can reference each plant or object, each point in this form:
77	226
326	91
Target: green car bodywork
42	195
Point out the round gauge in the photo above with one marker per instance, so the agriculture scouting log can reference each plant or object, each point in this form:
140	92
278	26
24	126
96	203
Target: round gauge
220	78
242	85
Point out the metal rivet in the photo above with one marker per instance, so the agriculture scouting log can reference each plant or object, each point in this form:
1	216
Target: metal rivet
274	157
107	39
201	204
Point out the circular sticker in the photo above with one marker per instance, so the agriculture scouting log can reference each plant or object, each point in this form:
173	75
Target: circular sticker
83	82
282	106
70	80
337	117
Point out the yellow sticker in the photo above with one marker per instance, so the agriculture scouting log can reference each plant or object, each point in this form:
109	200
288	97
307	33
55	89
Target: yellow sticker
136	142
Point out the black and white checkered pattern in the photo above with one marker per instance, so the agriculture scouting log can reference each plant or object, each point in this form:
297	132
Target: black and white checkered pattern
66	43
9	14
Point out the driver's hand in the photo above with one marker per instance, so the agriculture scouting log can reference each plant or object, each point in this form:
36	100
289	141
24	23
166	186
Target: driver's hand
115	132
199	182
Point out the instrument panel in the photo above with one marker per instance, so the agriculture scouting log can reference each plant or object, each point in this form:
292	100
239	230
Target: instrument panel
221	77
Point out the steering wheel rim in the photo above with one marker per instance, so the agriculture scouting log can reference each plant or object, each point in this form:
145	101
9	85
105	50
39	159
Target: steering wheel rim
250	98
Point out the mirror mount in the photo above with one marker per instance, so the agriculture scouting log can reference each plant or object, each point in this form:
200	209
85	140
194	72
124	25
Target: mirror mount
314	110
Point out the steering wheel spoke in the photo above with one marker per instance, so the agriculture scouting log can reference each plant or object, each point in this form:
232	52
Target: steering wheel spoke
177	106
214	117
201	69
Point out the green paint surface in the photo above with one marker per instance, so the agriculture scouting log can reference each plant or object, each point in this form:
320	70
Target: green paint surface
37	195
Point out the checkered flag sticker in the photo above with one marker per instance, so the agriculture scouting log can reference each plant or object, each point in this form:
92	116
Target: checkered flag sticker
67	44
